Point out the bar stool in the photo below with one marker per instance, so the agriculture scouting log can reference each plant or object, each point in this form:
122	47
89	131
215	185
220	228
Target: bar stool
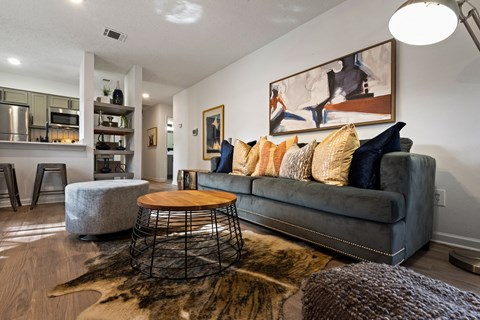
50	167
8	170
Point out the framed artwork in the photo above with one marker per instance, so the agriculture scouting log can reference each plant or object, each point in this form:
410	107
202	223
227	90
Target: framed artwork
357	88
152	137
213	122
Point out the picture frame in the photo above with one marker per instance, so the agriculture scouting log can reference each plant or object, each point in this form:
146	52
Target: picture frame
152	137
357	88
213	126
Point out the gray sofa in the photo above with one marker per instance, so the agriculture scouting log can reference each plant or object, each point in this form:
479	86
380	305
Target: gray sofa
387	225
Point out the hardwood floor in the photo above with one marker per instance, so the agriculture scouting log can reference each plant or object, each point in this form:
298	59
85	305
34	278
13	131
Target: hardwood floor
36	253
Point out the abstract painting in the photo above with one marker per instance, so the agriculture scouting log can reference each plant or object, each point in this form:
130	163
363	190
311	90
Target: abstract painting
212	120
358	88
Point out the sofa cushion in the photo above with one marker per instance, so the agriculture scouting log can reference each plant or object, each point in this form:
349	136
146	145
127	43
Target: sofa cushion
332	157
365	167
271	156
245	157
374	205
226	182
226	157
297	162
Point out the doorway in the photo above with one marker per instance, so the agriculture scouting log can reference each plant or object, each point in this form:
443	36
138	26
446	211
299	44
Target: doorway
169	148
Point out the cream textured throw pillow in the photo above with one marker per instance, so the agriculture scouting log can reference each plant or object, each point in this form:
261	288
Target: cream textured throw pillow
297	162
332	157
245	158
271	156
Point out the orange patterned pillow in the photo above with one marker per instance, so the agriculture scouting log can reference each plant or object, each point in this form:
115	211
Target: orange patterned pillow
271	156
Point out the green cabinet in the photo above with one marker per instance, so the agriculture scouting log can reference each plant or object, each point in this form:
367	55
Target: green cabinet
63	102
75	104
38	109
13	96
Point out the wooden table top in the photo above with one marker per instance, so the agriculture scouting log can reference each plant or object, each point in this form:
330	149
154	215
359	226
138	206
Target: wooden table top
186	200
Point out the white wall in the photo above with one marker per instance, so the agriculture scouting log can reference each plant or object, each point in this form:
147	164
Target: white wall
16	81
437	89
154	164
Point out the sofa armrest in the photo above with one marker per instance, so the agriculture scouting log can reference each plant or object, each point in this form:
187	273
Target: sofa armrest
412	175
214	163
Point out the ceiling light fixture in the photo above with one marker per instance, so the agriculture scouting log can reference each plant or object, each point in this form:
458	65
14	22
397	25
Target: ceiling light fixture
76	1
14	61
422	22
146	95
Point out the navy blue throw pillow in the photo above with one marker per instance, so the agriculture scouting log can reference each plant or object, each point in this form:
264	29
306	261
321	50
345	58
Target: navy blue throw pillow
226	158
365	166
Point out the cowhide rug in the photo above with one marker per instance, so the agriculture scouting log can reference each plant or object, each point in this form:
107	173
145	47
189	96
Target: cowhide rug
270	271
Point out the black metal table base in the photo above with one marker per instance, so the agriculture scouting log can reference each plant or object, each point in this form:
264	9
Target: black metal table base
185	244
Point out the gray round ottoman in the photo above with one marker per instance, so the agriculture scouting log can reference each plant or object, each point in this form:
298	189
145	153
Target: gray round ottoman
102	207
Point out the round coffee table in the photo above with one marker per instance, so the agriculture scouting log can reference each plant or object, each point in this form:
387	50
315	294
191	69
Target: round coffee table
186	234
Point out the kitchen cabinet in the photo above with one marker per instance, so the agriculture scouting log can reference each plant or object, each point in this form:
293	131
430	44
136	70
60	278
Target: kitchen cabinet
8	95
75	104
38	109
122	157
63	102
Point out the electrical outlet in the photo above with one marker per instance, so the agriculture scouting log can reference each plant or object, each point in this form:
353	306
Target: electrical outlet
440	197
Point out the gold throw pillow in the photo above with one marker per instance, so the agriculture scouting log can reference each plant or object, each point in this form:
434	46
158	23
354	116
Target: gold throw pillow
271	156
332	157
245	158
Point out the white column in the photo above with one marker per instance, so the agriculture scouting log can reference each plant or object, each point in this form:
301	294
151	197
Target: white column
133	98
86	108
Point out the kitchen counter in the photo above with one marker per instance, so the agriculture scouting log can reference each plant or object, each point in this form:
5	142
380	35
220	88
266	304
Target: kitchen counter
40	145
78	158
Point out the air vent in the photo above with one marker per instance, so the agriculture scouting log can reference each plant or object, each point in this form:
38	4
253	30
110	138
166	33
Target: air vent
115	34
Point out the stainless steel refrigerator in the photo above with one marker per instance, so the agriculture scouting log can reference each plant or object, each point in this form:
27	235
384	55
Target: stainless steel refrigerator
13	122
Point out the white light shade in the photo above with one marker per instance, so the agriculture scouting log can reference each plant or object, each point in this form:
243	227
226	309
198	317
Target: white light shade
14	61
424	22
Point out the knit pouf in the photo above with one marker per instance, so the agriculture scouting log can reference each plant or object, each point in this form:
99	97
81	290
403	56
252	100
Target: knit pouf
103	206
378	291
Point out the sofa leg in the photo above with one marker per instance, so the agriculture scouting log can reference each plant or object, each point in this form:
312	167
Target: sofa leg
426	247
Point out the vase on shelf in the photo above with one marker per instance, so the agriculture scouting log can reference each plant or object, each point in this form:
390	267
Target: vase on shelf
100	118
117	95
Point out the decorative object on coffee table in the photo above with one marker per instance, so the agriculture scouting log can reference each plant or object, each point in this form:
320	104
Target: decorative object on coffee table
213	126
186	234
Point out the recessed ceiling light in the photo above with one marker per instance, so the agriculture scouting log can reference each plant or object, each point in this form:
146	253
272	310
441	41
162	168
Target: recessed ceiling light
14	61
146	95
77	1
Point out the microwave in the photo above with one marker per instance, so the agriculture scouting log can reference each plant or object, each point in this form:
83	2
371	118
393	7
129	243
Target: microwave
64	118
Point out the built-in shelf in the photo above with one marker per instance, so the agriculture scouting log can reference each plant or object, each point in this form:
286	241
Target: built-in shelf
125	175
112	109
113	130
125	156
114	152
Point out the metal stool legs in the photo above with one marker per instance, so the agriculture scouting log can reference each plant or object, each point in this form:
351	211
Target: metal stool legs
11	182
51	167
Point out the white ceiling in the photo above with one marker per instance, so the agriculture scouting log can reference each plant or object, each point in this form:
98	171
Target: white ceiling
177	42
